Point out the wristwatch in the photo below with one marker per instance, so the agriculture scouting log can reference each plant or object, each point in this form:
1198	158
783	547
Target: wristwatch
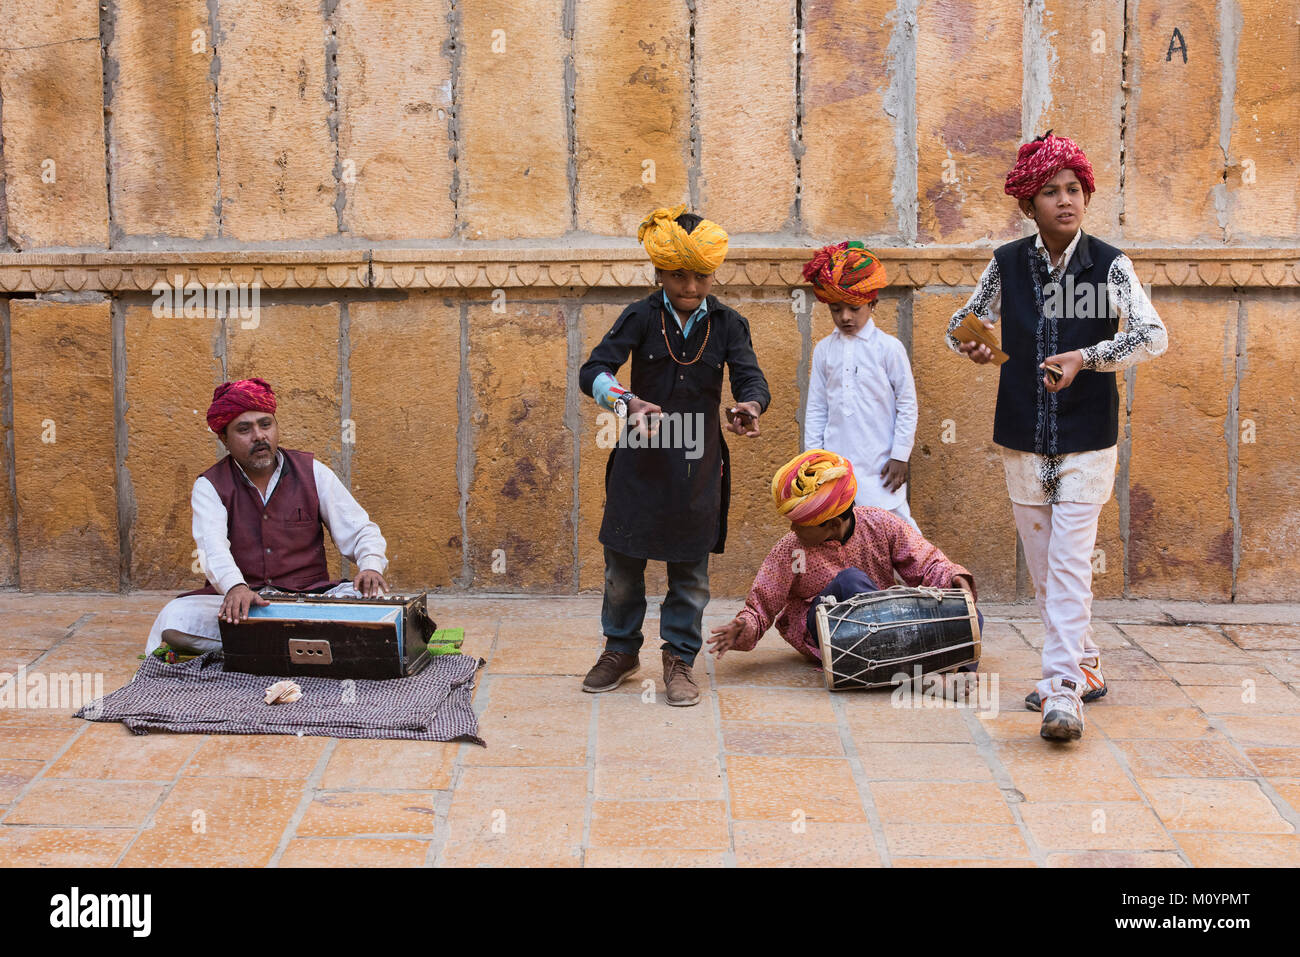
621	404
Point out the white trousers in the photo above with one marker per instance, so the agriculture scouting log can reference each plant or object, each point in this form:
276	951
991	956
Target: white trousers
1058	541
905	514
189	624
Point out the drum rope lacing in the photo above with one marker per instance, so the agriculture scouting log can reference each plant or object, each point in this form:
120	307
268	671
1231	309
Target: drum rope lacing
873	628
871	663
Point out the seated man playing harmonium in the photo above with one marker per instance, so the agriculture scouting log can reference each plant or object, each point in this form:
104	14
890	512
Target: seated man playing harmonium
259	520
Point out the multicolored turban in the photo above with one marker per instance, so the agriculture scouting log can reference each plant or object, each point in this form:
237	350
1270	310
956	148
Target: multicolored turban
846	272
232	399
670	247
1039	161
814	487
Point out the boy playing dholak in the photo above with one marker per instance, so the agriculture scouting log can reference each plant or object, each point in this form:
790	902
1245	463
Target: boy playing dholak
833	550
1063	294
664	502
861	396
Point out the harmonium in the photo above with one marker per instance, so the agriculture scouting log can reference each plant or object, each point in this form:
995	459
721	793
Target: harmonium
305	634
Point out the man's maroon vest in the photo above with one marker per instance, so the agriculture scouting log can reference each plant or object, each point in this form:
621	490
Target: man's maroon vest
281	543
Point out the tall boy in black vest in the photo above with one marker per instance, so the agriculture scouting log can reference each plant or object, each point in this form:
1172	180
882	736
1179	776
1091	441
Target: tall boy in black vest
1063	295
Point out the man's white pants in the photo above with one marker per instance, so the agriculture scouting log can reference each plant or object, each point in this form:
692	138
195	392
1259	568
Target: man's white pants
1058	541
189	624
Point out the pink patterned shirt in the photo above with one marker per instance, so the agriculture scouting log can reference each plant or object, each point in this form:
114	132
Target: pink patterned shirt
881	543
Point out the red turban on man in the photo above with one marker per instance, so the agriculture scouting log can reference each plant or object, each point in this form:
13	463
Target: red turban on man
231	399
1039	161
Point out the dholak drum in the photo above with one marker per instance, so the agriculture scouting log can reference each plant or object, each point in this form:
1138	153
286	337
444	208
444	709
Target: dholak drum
870	638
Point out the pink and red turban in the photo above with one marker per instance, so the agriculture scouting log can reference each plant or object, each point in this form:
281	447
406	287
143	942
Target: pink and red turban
232	399
1039	161
814	487
846	272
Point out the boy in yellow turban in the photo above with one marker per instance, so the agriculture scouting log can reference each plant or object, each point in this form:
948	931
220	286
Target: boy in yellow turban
833	549
666	498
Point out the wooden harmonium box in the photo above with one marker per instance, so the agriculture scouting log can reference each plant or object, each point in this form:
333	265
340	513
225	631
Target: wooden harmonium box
331	637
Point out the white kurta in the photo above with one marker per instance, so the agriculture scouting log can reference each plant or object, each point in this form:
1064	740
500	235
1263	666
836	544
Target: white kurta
862	405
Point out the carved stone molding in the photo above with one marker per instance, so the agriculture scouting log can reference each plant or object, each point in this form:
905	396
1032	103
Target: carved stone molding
552	268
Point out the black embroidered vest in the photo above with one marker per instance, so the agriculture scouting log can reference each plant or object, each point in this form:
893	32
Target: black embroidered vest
1041	318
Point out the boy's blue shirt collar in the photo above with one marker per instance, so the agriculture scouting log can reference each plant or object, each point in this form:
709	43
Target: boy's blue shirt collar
692	319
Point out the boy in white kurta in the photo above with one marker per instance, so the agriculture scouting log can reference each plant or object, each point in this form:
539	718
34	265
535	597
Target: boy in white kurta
861	395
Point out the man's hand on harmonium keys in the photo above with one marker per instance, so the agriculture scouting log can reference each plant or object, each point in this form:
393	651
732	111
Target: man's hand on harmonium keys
371	584
239	599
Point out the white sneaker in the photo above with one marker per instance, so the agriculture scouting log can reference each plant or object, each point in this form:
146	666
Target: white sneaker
1094	684
1062	712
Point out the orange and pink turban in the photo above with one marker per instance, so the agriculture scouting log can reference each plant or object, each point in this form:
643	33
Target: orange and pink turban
232	399
846	272
1039	161
814	487
670	247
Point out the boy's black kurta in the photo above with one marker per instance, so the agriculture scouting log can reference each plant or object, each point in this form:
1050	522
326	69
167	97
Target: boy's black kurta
660	504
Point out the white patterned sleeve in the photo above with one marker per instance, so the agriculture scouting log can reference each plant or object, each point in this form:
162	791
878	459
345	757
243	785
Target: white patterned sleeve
1143	336
984	302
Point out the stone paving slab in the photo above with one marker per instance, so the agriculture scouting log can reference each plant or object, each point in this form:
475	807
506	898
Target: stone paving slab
1192	759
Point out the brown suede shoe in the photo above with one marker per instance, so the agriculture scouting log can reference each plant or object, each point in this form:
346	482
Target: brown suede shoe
682	690
610	670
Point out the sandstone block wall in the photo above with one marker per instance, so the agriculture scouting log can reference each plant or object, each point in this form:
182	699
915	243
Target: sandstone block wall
434	204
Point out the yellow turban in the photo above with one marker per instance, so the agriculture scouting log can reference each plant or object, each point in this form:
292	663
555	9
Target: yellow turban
670	247
814	487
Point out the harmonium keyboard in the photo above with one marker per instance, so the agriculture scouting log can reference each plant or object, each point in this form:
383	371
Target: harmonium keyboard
305	634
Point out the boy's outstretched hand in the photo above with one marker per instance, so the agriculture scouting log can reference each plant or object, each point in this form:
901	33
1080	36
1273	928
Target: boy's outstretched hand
894	474
724	639
742	418
1070	363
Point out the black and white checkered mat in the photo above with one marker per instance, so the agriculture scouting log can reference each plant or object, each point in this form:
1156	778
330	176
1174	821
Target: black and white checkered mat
198	697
